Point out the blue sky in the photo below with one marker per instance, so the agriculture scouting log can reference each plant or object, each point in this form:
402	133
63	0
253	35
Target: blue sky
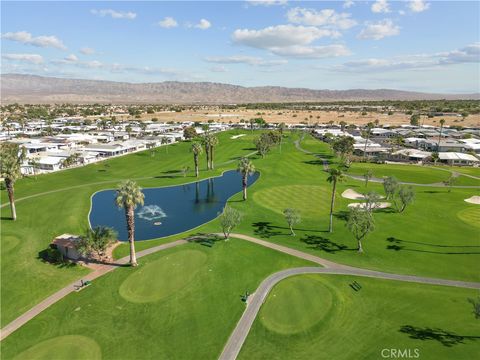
411	45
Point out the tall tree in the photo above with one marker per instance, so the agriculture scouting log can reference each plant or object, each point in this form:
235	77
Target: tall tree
336	175
292	216
206	143
360	223
343	145
164	141
246	168
128	196
442	122
11	159
404	196
213	143
197	151
367	133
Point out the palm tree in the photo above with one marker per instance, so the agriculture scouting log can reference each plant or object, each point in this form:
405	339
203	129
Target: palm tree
197	151
11	159
206	143
442	122
245	167
336	175
367	137
128	196
213	143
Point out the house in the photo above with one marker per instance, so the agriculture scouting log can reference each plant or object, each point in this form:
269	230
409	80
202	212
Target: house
106	150
410	155
50	163
67	245
456	158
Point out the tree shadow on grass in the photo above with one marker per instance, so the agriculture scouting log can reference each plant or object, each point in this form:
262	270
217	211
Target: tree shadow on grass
204	239
324	244
398	244
341	215
446	338
264	229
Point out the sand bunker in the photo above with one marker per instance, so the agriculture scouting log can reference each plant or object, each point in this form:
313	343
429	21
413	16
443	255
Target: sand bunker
380	205
353	195
236	136
473	200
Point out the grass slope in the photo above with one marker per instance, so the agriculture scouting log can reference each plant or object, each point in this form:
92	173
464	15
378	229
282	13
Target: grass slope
345	324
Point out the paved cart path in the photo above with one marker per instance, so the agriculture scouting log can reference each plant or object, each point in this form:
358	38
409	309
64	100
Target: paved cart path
329	267
380	180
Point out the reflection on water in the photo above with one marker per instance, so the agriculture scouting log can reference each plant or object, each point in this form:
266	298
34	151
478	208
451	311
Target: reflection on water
180	208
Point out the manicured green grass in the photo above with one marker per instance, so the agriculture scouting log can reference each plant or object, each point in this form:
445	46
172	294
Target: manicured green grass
26	280
428	239
438	321
63	347
158	319
407	173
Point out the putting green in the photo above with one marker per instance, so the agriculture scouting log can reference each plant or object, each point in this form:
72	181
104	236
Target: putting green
313	201
470	215
162	277
73	347
287	309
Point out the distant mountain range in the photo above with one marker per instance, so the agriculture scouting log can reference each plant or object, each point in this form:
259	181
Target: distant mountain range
37	89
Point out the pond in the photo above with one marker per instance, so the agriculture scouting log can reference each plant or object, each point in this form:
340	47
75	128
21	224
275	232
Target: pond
169	210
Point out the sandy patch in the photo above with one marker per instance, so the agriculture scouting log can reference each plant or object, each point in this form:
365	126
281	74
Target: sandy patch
380	205
473	200
353	195
236	136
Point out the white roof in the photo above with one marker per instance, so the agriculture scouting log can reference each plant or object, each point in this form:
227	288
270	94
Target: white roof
50	160
456	156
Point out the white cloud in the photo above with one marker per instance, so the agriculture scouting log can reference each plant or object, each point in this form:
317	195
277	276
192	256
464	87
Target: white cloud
204	24
467	54
29	58
71	58
26	38
266	2
114	14
242	59
312	52
379	30
87	51
380	6
348	4
325	17
168	22
281	36
418	5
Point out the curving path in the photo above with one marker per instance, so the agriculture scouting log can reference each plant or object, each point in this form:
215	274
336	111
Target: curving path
329	267
379	180
240	333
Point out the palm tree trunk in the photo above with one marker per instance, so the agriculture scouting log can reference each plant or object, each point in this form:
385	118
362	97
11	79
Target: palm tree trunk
11	197
195	159
360	248
291	230
244	185
365	148
332	204
131	235
212	150
207	152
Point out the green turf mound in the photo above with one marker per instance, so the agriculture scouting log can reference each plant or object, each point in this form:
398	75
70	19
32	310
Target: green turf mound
72	347
312	200
470	215
162	277
295	305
